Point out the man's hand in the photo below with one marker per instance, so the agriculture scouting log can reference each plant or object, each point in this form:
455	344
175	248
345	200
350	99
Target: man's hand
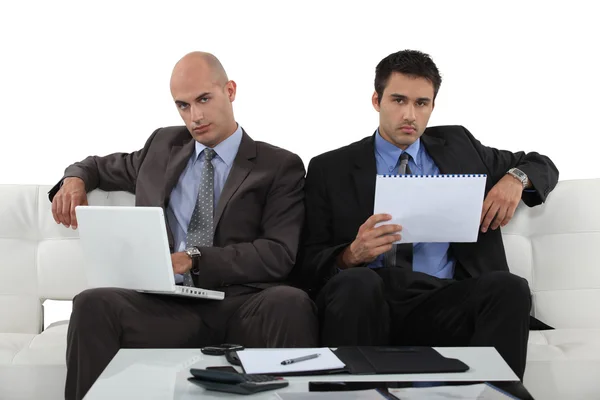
182	263
71	194
501	202
370	242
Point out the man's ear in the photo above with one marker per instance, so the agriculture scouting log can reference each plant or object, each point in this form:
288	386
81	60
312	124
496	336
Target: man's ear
375	101
230	90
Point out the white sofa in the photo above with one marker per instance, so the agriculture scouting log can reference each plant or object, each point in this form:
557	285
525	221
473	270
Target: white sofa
555	247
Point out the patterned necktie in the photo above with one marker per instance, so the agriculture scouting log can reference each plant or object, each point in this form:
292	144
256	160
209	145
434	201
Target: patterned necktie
200	229
400	255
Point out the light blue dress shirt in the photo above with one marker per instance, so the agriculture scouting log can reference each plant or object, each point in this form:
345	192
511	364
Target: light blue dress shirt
430	258
185	192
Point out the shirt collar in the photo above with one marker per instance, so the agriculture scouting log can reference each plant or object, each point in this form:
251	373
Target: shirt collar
226	150
391	154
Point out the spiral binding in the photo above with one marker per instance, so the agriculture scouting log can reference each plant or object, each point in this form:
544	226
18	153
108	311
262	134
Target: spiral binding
435	176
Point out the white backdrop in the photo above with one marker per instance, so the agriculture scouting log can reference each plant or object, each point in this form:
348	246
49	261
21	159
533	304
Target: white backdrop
92	77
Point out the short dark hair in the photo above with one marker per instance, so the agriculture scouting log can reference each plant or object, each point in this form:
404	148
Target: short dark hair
409	62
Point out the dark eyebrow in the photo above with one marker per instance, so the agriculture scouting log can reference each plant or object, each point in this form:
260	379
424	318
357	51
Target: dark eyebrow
403	97
183	103
202	95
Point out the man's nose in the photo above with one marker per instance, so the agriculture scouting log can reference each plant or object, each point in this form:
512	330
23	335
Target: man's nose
197	114
409	113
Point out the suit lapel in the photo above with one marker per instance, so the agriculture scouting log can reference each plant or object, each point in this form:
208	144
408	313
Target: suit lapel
364	175
443	154
242	165
178	159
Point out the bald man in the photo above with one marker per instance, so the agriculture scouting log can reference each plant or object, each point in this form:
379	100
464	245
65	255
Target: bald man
257	217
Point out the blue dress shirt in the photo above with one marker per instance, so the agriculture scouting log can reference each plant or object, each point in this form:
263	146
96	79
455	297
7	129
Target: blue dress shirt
185	192
429	258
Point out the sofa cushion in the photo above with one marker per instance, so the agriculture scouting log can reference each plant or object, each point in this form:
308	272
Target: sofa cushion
564	344
11	344
47	348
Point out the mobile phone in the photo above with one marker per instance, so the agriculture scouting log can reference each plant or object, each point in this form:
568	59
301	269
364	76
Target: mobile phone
226	368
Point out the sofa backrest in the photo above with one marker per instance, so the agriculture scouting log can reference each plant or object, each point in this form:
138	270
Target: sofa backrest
556	247
38	259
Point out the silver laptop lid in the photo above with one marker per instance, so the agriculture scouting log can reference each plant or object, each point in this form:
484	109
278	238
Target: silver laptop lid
125	247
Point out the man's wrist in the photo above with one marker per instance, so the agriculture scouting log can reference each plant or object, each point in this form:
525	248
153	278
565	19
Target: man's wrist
345	259
70	179
194	254
520	176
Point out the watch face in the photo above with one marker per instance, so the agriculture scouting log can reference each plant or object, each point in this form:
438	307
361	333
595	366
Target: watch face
520	174
192	251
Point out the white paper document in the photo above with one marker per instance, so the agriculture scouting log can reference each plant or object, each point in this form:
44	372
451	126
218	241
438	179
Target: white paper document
371	394
432	208
268	361
480	391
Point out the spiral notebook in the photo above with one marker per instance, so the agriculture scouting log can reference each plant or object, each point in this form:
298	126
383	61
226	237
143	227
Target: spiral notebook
432	208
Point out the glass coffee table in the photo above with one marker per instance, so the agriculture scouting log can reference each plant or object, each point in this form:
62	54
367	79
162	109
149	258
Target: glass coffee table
163	373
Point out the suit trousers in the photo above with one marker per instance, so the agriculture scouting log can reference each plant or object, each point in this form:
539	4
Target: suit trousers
107	319
362	306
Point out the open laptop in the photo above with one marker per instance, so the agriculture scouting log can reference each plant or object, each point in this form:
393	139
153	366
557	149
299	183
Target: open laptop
127	247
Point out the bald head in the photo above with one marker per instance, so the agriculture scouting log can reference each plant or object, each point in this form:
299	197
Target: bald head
196	65
203	95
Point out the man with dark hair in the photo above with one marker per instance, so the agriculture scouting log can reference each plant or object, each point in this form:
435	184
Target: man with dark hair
370	292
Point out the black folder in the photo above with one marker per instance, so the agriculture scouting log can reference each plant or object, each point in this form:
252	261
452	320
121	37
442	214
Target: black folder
396	360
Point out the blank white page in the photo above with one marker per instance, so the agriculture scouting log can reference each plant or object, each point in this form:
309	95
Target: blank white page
432	208
268	361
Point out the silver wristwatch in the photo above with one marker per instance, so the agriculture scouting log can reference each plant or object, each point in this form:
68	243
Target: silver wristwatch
520	175
195	255
193	252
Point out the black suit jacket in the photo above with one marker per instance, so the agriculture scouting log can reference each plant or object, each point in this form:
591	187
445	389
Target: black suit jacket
340	191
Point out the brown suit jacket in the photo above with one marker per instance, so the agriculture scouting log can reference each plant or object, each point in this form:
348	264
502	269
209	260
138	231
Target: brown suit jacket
257	221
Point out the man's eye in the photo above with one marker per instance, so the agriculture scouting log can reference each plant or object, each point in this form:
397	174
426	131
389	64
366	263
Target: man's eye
421	103
399	101
204	100
182	106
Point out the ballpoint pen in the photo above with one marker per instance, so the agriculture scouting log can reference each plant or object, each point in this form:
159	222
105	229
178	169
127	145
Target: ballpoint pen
303	358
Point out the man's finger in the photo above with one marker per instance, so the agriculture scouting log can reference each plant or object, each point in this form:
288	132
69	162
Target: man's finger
485	208
377	218
509	215
59	210
382	249
73	215
54	207
384	240
489	216
499	218
66	212
384	230
372	221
